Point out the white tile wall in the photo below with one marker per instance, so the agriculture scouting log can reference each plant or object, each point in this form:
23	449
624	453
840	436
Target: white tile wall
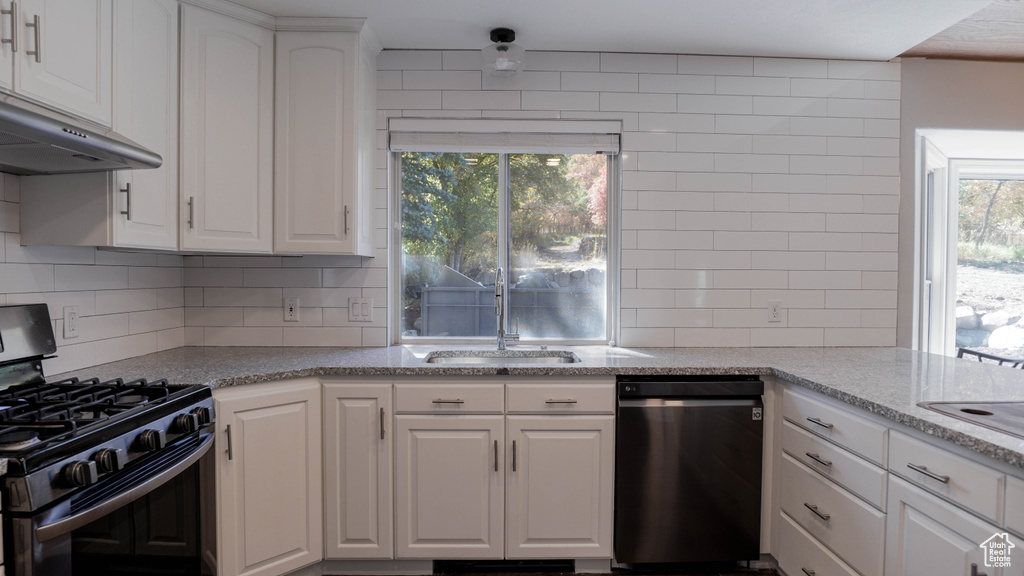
128	304
744	180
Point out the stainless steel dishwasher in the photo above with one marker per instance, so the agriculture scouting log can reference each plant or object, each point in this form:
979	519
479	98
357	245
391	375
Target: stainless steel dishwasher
688	469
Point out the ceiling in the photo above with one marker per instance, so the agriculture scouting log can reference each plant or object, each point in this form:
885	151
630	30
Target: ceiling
842	29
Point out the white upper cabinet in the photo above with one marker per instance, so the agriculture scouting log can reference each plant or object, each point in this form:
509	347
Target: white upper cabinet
146	61
324	142
60	54
126	208
227	137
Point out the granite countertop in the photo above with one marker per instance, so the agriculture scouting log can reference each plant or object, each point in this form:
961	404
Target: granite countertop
886	381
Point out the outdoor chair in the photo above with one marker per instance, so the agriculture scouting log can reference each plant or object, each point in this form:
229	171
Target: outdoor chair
985	357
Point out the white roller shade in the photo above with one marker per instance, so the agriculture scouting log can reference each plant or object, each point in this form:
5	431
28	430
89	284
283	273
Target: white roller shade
504	136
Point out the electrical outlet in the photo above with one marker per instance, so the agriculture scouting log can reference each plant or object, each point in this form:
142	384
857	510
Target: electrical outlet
291	309
71	322
360	309
775	310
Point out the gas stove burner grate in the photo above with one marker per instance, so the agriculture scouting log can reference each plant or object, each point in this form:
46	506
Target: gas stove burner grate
15	439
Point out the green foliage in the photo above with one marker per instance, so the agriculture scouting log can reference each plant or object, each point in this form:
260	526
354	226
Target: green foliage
991	212
971	253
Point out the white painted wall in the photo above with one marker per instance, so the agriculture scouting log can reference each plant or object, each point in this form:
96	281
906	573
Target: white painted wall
946	94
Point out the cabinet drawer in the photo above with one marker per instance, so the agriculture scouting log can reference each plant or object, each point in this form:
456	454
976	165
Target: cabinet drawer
852	529
969	484
567	398
838	425
800	554
444	398
852	472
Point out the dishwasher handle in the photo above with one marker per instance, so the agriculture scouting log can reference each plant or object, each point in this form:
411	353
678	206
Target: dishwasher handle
687	402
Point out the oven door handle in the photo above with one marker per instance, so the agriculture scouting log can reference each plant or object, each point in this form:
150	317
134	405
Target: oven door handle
66	525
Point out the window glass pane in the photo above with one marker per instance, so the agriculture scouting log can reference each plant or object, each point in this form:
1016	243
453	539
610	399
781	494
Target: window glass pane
449	244
990	266
558	245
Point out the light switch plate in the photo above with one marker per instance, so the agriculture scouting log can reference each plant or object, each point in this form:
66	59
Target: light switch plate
71	322
291	309
360	309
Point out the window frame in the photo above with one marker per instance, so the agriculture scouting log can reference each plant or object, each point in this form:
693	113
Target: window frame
613	231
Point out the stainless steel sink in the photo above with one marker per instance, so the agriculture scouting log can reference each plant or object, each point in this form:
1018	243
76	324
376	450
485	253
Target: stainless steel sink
501	357
1006	417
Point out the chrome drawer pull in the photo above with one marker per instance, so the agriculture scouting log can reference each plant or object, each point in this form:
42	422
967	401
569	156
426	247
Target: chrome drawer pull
808	572
513	455
455	401
819	459
35	25
929	473
381	423
817	421
557	401
227	432
818	513
127	199
495	455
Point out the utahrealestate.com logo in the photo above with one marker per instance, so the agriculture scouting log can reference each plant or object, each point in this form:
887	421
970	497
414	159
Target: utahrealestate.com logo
997	550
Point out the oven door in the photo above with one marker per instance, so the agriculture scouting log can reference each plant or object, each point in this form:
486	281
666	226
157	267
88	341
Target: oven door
40	544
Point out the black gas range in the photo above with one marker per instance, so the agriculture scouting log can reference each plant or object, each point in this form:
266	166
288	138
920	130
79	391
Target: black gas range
79	449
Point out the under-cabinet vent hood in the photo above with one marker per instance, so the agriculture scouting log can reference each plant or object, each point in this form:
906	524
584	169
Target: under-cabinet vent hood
36	140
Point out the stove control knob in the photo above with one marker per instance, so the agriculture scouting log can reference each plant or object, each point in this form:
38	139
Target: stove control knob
80	474
185	423
204	414
152	440
110	460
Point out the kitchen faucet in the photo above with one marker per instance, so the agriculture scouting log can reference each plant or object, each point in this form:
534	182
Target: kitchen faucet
499	309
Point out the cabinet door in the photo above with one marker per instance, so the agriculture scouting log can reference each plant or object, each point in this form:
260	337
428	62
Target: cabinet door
449	487
71	65
928	537
269	485
227	140
357	471
7	25
315	142
560	474
146	55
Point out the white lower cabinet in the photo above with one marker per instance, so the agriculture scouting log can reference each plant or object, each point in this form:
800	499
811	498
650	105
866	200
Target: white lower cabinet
268	477
449	486
358	441
929	537
800	554
559	489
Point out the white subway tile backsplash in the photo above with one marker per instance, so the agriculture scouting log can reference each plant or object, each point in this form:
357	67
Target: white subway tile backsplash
770	337
881	166
389	80
115	301
648	298
871	242
646	337
769	144
850	165
438	80
636	180
155	320
802	299
93	328
649	141
878	128
673	318
16	253
752	163
563	61
791	67
627	102
864	70
856	108
623	62
836	203
860	337
9	217
677	83
76	277
671	279
660	202
674	240
824	280
790	106
422	100
788	221
713	182
213	316
539	100
550	81
845	146
282	277
768	260
878	281
712	299
248	336
214	277
729	240
675	162
409	60
752	85
600	82
828	241
714	104
827	88
789	183
213	297
860	299
355	277
863	223
878	318
726	143
727	124
689	122
480	100
169	339
876	261
746	318
716	65
864	185
712	337
462	60
308	316
321	336
154	277
693	220
804	318
882	89
752	279
751	202
56	301
648	260
810	126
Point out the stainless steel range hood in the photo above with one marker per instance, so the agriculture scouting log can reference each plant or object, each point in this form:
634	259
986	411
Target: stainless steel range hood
36	140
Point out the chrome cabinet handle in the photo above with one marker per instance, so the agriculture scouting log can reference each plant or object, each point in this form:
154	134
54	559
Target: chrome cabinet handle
190	211
819	459
818	513
128	200
36	28
513	455
808	572
495	455
346	220
929	473
13	40
444	401
381	423
227	432
974	571
818	421
557	401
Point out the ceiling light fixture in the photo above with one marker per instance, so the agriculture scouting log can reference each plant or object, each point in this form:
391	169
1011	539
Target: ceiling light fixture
503	58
